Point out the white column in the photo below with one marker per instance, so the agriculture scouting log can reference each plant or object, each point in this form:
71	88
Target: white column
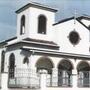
4	81
43	74
55	77
74	78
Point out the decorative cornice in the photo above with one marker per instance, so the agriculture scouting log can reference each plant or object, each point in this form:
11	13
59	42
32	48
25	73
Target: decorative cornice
58	54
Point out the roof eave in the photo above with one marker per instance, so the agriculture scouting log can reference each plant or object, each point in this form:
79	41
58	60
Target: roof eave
64	20
37	6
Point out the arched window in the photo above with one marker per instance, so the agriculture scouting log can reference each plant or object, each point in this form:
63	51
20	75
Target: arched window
2	61
26	60
22	25
11	65
42	24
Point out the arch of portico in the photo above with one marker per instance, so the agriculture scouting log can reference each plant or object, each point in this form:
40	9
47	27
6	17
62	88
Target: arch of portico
45	64
83	69
65	67
66	71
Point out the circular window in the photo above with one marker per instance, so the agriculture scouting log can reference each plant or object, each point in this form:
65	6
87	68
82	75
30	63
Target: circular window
74	37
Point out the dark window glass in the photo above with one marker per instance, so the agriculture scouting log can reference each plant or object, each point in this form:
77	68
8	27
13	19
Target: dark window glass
26	60
74	37
11	66
42	24
22	25
2	61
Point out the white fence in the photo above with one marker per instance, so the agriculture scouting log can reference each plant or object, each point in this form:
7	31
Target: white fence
25	78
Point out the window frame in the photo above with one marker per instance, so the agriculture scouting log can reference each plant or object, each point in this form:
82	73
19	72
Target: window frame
11	65
42	27
26	60
2	61
22	25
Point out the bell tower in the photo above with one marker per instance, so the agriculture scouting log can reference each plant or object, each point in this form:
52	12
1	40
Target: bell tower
35	21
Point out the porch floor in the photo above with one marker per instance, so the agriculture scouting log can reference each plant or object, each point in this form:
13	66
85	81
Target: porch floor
67	88
51	89
22	89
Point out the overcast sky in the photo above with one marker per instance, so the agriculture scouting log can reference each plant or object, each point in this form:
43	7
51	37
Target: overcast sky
66	8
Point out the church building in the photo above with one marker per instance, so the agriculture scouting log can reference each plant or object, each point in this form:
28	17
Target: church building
46	55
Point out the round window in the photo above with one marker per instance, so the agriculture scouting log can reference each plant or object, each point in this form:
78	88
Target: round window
74	37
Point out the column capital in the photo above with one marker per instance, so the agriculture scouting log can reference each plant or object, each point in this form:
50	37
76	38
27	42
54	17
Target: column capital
74	76
55	69
74	72
43	71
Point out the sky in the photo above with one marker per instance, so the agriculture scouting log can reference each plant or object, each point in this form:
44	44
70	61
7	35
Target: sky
66	9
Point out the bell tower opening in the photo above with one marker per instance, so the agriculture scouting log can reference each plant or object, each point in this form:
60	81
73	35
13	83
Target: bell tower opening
35	21
22	28
42	24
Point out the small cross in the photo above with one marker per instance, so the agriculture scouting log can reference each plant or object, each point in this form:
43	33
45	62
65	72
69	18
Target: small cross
75	15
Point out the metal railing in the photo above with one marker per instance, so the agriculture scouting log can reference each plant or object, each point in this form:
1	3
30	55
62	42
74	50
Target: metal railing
25	78
61	82
64	82
31	79
84	79
63	79
49	80
83	82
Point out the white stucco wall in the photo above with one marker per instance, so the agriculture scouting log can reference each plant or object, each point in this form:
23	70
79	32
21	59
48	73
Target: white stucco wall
58	33
33	59
55	60
33	29
31	23
26	13
86	22
62	32
19	57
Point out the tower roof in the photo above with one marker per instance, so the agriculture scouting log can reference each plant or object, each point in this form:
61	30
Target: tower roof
36	5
